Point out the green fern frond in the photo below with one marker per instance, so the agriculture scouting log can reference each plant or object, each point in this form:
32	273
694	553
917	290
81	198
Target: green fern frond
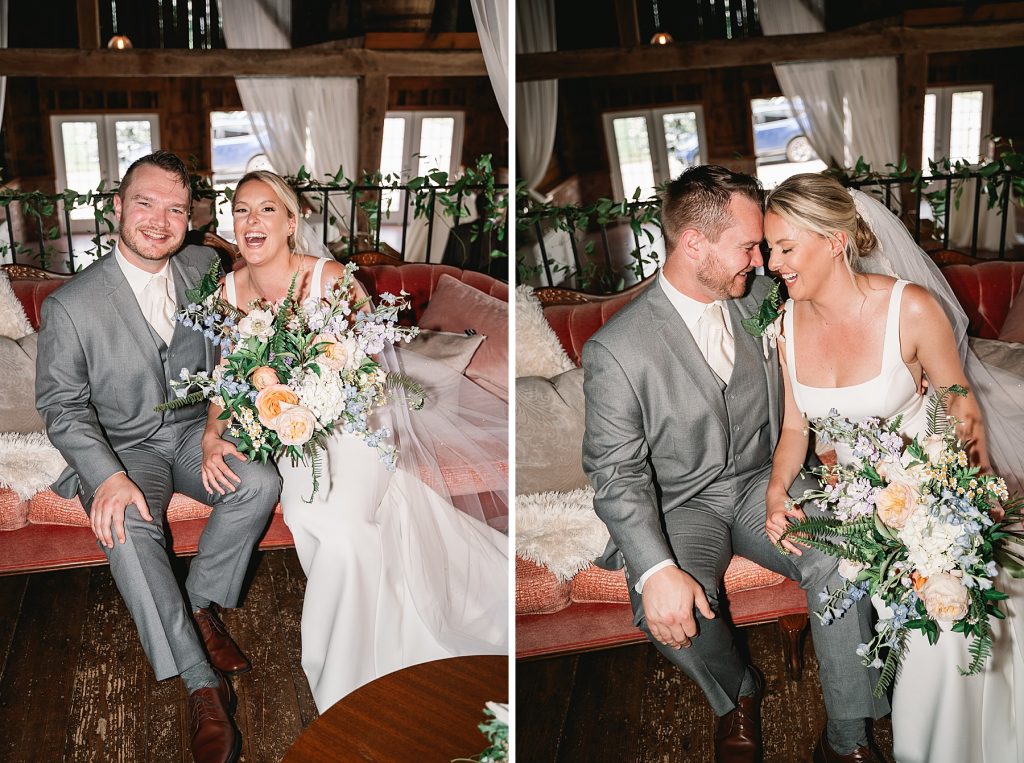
207	285
181	402
891	667
417	396
980	648
314	457
937	410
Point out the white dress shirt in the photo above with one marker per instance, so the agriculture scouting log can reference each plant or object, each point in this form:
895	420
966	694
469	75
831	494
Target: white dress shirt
690	310
138	278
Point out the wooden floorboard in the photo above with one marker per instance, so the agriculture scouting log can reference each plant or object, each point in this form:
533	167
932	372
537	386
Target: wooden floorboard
630	705
75	684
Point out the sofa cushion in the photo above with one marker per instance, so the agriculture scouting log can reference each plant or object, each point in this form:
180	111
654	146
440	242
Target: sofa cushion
13	510
17	392
48	508
458	307
985	291
538	590
549	433
454	350
1013	327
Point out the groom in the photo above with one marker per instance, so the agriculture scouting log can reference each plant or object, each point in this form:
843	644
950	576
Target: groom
108	350
683	410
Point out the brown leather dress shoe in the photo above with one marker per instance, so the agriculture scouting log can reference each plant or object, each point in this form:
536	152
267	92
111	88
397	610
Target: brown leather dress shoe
738	736
224	653
823	753
214	736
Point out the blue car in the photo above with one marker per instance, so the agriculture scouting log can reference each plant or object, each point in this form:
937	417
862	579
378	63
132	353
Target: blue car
777	134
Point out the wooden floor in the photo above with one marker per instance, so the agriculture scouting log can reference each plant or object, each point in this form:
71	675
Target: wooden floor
630	704
76	686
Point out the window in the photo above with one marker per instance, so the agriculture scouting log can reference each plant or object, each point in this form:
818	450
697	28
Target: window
418	142
234	148
956	119
92	148
780	147
646	148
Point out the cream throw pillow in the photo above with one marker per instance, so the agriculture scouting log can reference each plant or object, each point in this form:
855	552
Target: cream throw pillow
549	433
454	350
538	351
28	463
560	531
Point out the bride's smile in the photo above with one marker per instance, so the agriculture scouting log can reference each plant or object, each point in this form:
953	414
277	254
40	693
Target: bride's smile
262	223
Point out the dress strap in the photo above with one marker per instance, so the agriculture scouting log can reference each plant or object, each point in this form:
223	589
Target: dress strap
315	289
892	352
229	289
788	339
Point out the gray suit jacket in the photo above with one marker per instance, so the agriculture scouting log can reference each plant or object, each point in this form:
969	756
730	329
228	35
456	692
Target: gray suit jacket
656	425
98	370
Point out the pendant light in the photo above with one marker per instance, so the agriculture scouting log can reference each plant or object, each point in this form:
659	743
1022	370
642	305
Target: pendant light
118	41
659	37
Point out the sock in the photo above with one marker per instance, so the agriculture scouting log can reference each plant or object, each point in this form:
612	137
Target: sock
197	601
200	676
846	736
749	686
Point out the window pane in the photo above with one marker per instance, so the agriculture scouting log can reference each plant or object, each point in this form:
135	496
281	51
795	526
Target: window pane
436	135
134	140
392	148
965	126
81	160
634	151
233	145
928	137
780	145
682	141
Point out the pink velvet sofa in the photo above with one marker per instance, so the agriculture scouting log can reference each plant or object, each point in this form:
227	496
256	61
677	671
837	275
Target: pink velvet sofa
48	532
592	611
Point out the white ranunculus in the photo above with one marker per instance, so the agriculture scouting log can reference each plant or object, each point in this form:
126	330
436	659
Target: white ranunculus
258	323
849	569
933	445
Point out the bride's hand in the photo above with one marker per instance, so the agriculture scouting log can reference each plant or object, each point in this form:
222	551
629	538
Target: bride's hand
779	513
217	475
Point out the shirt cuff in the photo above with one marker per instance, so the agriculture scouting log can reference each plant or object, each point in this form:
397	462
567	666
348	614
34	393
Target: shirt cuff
644	578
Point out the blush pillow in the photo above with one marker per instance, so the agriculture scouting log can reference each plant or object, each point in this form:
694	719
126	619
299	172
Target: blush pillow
458	307
1013	326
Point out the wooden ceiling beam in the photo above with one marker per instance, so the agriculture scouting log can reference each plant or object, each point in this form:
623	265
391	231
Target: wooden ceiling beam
717	54
137	62
88	24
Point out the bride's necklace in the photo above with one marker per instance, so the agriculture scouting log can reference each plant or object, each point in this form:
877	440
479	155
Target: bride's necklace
261	293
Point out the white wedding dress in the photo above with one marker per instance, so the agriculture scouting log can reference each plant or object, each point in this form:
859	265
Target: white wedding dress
396	575
938	716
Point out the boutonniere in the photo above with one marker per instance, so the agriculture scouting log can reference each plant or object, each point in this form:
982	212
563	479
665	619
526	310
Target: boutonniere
767	321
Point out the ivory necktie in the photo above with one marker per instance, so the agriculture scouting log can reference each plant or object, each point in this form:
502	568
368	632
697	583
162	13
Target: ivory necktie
158	307
715	341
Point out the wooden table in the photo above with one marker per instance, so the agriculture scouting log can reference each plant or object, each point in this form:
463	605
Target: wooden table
427	713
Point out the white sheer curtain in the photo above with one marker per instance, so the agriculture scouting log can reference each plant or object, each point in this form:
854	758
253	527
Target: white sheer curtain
847	108
536	102
300	121
491	17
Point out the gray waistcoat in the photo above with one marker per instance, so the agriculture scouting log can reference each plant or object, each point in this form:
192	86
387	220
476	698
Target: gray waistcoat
746	398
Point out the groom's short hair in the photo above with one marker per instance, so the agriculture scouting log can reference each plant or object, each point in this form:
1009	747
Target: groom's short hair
166	161
699	199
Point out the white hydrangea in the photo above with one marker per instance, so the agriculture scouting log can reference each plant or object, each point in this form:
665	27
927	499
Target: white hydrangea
930	543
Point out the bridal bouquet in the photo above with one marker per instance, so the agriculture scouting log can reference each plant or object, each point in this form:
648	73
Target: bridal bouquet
911	524
291	375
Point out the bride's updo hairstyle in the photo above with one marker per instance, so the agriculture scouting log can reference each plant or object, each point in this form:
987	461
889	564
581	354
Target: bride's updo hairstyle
821	205
281	189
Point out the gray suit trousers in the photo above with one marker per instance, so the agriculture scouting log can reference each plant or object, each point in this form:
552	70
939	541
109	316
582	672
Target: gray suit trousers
168	462
704	536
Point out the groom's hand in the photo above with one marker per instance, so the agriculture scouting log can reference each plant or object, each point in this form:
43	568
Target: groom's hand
669	598
113	496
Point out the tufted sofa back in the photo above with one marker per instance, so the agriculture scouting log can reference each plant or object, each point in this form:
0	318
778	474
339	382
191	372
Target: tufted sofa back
986	291
32	286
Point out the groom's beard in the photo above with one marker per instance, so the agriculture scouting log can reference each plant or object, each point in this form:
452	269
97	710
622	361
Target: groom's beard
712	276
149	250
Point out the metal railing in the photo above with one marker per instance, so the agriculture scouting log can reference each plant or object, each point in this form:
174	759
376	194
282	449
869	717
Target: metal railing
598	236
353	218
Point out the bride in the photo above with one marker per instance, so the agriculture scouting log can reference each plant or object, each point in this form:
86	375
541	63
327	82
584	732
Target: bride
396	575
859	342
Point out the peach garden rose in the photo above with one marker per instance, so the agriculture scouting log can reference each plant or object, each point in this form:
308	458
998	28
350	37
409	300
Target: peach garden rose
263	377
895	503
270	401
945	597
294	425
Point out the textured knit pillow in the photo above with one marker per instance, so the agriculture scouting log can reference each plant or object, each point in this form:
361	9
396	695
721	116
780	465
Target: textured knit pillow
458	307
538	351
17	388
549	433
